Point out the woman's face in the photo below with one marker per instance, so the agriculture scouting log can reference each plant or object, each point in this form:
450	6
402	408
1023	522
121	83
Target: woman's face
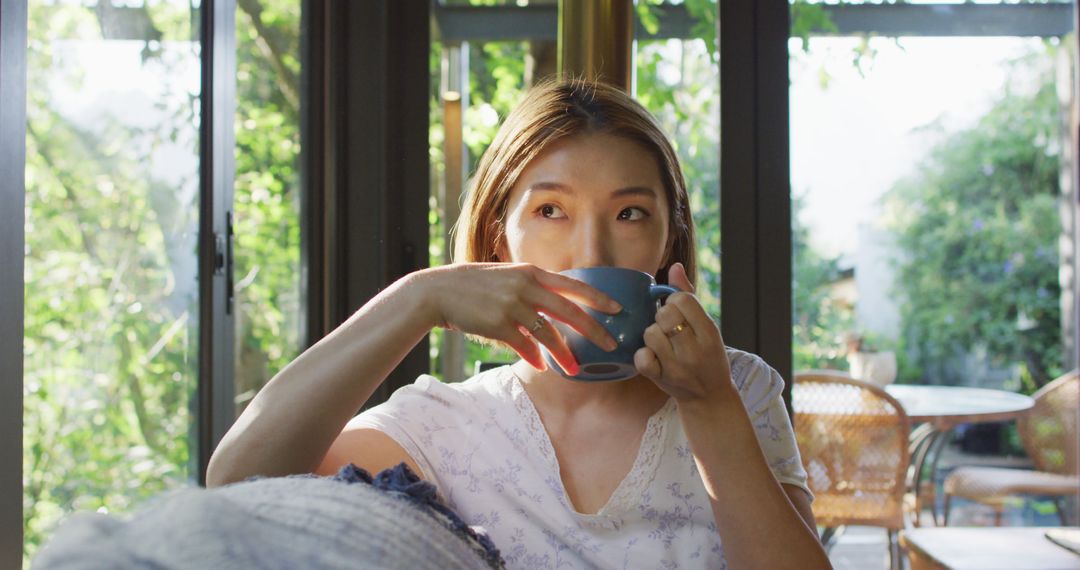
589	200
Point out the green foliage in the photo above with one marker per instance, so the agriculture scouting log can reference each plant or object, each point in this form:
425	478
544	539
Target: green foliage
977	226
702	12
676	82
496	85
267	197
819	320
807	18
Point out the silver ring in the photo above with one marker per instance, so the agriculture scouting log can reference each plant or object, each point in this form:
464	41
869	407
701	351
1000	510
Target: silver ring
537	324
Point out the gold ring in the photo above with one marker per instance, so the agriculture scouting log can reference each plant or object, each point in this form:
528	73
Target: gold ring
537	324
678	329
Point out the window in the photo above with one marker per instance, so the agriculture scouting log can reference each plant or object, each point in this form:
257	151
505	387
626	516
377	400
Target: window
930	178
112	206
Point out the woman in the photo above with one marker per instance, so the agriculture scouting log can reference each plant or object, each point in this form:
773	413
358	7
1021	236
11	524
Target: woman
691	464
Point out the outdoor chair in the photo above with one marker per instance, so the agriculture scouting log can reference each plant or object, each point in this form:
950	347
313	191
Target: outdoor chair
1048	433
853	438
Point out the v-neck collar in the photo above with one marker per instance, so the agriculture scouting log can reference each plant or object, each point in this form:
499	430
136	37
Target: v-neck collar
633	484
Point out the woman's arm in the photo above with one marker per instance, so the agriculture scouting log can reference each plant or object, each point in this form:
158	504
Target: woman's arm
686	357
762	523
293	421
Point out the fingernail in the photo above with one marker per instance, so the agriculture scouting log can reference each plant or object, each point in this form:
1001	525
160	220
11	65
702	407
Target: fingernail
610	344
615	306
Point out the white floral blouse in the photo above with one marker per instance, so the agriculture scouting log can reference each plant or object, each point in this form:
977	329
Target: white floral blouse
482	443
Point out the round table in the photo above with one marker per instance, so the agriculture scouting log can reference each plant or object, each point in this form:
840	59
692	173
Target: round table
937	410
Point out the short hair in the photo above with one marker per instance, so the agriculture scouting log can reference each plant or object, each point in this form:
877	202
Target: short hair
551	111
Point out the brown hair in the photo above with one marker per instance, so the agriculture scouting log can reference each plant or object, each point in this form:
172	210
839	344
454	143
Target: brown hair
549	112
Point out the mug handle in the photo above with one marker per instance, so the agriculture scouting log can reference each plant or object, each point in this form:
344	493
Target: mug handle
661	292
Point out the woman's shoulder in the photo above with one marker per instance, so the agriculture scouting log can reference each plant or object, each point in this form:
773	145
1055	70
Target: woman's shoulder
746	366
480	389
755	379
427	409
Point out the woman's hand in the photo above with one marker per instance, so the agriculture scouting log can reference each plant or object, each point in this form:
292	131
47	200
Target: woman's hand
503	302
684	353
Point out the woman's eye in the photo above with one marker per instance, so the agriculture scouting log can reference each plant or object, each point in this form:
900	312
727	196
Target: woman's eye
632	214
551	211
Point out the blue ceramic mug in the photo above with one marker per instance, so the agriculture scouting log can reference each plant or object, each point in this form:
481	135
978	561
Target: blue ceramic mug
639	296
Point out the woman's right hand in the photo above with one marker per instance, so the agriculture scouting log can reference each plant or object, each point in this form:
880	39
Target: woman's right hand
503	302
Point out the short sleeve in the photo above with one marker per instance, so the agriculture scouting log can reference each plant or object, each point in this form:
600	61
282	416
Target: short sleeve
761	389
409	417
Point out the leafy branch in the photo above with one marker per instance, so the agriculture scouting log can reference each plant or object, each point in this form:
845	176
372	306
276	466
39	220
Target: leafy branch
273	44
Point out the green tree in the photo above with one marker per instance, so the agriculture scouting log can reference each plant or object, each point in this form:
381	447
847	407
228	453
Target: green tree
977	226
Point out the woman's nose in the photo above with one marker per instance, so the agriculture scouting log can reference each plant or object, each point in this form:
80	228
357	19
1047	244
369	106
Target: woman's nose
592	246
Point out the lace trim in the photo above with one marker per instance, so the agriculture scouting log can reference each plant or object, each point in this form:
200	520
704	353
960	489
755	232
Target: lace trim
528	414
632	485
646	463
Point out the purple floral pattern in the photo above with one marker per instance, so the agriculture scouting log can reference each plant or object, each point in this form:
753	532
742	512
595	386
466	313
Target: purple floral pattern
482	443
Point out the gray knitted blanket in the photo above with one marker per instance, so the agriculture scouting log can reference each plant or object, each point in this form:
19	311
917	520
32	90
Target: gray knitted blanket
349	521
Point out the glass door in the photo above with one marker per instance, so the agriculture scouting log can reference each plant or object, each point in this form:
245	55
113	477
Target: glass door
112	206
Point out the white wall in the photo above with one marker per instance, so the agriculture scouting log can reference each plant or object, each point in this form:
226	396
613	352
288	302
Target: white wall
877	310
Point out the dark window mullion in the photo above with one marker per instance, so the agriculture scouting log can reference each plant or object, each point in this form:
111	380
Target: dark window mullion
755	200
773	188
13	197
214	401
313	180
365	159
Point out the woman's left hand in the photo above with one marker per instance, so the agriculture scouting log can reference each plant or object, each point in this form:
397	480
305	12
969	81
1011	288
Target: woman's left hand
684	353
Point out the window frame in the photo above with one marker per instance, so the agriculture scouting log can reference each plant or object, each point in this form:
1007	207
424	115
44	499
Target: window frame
755	198
364	220
13	30
215	390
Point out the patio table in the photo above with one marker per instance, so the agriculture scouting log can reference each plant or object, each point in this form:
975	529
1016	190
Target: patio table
939	409
985	548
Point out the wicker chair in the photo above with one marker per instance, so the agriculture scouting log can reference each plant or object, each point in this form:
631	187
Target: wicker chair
1049	434
853	438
